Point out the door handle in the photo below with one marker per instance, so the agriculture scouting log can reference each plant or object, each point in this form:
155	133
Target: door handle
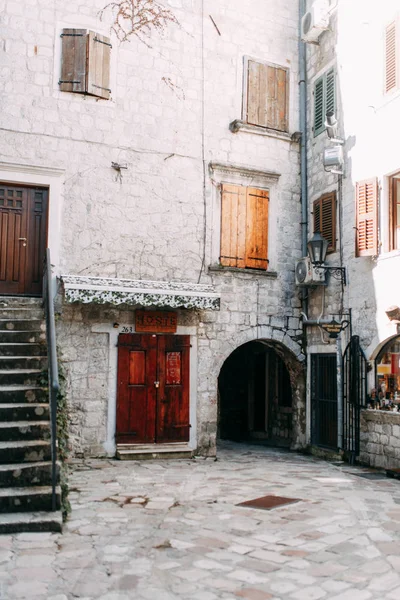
156	384
22	240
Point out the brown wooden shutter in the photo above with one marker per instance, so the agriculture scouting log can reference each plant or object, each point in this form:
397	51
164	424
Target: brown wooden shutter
73	60
267	96
367	217
256	229
390	57
233	223
324	210
99	51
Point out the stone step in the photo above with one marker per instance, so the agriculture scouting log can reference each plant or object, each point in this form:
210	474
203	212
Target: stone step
23	349
20	301
25	451
150	451
23	393
35	498
22	324
37	521
26	474
21	313
20	377
24	337
23	362
25	411
24	430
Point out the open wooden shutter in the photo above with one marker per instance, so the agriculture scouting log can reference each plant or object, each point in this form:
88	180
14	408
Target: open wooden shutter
324	210
319	106
367	217
73	60
99	51
233	223
330	98
256	229
390	58
267	94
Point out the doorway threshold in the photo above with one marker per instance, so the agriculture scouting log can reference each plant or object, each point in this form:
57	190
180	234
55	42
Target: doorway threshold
151	451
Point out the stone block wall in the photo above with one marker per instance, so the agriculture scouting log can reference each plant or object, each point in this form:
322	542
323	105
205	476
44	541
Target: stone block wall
380	439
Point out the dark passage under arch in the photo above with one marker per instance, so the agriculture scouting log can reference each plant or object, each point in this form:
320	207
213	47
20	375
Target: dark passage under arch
255	396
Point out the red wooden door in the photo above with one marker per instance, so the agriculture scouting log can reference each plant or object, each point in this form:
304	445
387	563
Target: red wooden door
153	389
23	239
173	393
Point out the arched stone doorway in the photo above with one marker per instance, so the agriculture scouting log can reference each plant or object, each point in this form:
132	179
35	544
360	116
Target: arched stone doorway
257	399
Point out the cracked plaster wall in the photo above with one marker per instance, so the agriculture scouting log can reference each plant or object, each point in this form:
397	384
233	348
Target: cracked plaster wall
150	223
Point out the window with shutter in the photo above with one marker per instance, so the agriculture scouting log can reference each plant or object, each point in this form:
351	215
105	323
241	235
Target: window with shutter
324	99
267	96
324	212
244	227
85	63
390	58
367	217
394	216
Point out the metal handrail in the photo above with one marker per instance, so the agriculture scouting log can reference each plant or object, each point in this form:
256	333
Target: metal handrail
54	385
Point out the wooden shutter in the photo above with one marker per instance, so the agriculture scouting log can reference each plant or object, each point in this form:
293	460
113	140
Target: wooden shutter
99	51
324	99
390	58
267	96
330	96
324	210
367	217
319	106
73	60
256	229
233	224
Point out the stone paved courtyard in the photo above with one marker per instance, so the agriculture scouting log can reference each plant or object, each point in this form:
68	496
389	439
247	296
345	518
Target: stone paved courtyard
166	530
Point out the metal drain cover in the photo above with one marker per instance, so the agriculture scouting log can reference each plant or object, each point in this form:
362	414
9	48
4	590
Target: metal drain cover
268	502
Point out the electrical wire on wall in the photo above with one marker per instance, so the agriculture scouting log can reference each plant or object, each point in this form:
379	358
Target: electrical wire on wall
203	158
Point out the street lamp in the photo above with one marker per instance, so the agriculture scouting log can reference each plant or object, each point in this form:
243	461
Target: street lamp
317	249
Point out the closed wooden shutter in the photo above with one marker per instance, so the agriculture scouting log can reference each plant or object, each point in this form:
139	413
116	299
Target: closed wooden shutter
233	226
324	210
267	96
367	217
256	229
73	60
390	58
99	51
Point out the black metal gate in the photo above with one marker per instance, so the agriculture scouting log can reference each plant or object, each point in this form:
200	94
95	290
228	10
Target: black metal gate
324	404
354	395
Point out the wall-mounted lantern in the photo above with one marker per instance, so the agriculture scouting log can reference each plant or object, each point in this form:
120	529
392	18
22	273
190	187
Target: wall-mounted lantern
317	249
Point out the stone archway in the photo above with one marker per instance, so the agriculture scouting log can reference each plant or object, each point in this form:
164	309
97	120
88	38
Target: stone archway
261	389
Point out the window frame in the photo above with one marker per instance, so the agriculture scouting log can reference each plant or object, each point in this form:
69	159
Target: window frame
245	90
324	79
394	201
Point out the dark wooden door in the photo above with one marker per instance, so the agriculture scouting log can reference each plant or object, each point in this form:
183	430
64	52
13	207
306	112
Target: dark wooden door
23	239
324	401
153	389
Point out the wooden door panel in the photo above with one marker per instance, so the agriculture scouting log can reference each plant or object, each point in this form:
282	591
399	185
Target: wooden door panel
14	208
136	399
173	393
23	239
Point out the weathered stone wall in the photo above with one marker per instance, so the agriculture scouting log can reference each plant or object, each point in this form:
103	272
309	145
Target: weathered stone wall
167	120
380	439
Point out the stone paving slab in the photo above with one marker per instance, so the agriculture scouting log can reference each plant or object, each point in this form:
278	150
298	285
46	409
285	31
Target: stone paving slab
172	530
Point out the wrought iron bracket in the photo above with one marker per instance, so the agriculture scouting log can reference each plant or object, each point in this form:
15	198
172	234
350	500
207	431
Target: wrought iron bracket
338	273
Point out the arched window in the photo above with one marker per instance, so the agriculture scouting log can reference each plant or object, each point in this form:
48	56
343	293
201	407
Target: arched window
388	370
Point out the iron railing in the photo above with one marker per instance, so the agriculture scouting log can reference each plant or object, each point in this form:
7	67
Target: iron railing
54	386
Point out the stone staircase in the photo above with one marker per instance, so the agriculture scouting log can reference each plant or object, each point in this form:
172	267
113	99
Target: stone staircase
25	451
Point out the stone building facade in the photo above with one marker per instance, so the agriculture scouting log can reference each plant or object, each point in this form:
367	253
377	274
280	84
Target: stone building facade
358	49
135	176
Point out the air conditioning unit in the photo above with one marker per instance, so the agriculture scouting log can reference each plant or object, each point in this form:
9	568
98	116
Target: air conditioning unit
315	21
307	274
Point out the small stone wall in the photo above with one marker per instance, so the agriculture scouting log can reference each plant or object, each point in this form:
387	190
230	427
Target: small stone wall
380	439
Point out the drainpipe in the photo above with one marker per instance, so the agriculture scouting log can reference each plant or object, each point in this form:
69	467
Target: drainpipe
339	391
303	140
